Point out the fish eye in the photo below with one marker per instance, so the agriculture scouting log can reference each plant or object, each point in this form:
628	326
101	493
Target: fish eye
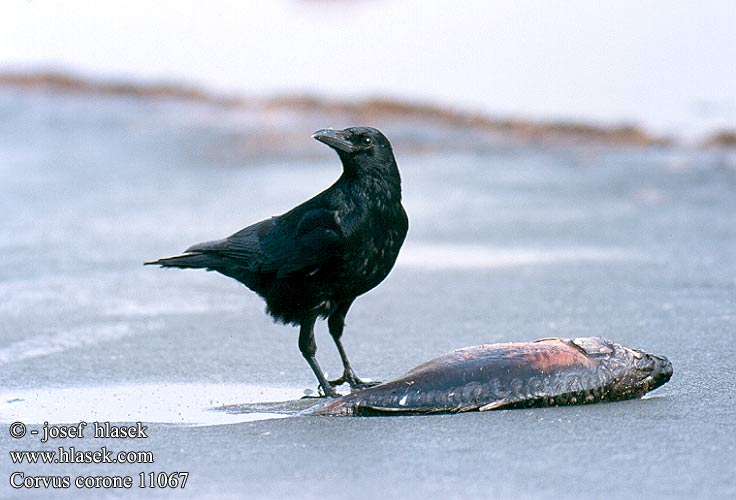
367	141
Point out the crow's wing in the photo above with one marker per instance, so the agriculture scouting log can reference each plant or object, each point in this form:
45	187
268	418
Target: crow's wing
283	244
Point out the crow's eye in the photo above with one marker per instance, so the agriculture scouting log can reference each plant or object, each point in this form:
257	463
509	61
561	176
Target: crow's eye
367	141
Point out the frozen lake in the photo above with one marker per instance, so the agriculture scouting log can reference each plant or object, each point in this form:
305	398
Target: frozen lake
505	243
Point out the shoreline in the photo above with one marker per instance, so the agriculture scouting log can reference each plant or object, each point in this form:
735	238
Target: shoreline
364	110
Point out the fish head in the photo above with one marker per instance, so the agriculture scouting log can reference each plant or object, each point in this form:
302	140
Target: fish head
643	372
635	372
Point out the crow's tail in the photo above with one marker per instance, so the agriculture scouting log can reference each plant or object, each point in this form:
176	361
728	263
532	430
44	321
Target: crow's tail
195	260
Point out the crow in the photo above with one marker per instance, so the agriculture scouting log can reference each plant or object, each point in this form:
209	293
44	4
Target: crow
314	260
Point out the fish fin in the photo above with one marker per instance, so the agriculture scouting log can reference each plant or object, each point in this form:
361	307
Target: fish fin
367	410
384	409
592	345
373	410
464	409
547	339
495	405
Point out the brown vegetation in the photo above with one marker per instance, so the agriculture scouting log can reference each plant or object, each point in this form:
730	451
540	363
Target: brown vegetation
721	139
364	111
74	84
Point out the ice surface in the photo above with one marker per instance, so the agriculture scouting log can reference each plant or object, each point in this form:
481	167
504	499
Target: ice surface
504	244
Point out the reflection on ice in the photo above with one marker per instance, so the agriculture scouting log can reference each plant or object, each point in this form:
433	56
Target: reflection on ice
190	404
46	344
453	256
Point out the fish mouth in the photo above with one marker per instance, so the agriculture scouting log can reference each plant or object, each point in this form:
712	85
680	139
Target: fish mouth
662	371
659	372
335	139
645	372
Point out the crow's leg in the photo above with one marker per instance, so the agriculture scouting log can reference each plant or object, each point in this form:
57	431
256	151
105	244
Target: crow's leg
336	324
308	347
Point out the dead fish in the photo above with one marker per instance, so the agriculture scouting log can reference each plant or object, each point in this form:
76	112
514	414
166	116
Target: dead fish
546	372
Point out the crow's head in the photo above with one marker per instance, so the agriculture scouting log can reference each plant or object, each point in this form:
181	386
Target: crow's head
354	141
361	149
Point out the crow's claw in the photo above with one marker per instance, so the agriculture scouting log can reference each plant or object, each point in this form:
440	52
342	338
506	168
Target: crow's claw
356	384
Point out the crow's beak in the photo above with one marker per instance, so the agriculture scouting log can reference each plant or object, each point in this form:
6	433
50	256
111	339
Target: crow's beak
335	139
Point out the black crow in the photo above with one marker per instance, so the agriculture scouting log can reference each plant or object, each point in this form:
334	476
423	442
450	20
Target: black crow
314	260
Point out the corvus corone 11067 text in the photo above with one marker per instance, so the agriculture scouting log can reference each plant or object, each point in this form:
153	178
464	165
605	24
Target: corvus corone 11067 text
314	260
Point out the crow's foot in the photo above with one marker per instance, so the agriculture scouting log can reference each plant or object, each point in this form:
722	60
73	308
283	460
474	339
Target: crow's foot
356	384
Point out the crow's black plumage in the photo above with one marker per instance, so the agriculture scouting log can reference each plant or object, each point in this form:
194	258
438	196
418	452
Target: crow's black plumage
314	260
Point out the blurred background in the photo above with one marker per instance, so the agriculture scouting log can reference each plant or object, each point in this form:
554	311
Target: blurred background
568	168
666	66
